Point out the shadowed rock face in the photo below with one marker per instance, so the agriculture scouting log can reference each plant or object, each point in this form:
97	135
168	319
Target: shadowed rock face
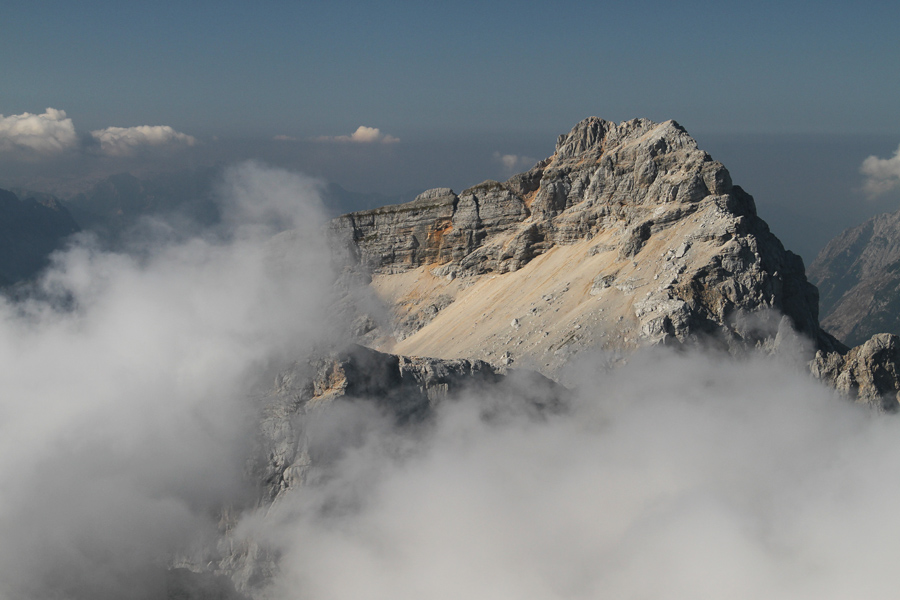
858	275
406	389
671	250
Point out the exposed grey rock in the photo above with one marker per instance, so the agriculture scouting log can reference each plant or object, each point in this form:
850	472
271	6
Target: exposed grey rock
858	275
869	373
682	256
645	186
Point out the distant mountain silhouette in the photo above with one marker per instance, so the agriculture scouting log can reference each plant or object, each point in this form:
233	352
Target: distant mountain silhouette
858	275
114	206
32	226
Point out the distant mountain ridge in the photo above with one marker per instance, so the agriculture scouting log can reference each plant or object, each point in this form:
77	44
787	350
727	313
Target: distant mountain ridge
858	276
32	226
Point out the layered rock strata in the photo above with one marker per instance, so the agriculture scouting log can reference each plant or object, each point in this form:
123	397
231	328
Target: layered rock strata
628	234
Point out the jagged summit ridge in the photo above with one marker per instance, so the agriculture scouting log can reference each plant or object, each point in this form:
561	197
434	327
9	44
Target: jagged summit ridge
628	234
616	169
590	137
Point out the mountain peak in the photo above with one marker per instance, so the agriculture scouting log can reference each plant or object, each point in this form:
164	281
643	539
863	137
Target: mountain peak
628	235
593	136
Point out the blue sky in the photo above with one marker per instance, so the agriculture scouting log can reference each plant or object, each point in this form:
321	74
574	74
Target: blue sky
461	86
418	69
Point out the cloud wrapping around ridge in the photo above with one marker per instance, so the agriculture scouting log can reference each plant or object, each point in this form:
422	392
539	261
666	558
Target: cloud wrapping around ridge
882	174
125	424
125	141
677	476
47	133
362	135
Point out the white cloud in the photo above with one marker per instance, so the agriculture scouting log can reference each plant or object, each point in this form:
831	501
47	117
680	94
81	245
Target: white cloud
363	135
712	478
284	138
882	174
124	414
124	141
513	163
47	133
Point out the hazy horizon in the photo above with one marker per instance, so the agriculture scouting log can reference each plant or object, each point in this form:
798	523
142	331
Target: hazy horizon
397	97
808	187
136	377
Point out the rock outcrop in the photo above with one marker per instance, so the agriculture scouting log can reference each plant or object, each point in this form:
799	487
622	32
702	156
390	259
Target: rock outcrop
858	276
629	234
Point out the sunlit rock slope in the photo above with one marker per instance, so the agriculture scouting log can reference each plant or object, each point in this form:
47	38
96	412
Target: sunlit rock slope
627	235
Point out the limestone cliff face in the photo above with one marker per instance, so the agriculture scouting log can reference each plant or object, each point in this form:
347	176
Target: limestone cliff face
868	373
858	273
628	234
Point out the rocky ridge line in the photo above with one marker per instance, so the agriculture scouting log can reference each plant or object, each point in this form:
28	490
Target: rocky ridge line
652	243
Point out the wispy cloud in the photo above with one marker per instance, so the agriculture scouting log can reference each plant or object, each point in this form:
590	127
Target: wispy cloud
284	138
513	163
47	133
882	174
362	135
125	141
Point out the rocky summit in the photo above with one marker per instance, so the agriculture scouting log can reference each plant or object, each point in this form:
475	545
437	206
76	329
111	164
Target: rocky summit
627	235
858	276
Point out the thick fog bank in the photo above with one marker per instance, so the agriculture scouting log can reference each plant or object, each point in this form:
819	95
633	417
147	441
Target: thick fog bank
124	424
675	476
